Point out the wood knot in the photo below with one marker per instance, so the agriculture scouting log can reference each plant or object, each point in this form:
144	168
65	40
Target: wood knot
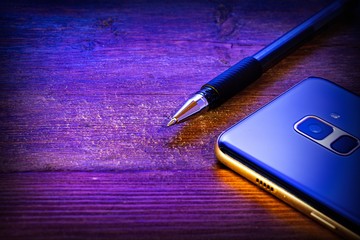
105	23
222	14
225	20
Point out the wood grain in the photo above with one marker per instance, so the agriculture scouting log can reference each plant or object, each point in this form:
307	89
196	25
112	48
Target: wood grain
92	86
201	204
86	90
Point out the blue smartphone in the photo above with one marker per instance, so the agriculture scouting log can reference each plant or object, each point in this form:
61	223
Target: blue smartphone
303	147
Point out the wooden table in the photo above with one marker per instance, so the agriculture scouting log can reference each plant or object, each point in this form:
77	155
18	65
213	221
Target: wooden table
86	90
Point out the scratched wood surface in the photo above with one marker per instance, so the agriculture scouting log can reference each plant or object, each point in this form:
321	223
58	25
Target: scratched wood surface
86	90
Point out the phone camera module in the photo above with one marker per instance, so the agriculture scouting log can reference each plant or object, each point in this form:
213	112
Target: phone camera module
327	135
315	128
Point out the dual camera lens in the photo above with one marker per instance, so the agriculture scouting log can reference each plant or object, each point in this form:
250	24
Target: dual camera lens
318	130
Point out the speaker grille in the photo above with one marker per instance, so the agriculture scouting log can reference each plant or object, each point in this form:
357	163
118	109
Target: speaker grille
264	185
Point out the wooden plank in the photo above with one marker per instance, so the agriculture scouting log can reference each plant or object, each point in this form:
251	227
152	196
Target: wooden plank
202	204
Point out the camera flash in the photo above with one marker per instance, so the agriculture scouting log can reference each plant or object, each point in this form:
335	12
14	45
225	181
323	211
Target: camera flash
335	115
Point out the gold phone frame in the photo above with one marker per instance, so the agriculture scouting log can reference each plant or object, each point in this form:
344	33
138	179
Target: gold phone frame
283	194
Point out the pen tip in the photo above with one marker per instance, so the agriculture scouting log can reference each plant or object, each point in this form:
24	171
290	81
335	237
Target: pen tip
172	122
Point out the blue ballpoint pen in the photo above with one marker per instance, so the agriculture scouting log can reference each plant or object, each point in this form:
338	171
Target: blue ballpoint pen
251	68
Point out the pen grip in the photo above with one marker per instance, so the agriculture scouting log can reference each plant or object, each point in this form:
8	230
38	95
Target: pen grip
235	78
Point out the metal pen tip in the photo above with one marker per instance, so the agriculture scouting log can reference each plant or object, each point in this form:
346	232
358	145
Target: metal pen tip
172	122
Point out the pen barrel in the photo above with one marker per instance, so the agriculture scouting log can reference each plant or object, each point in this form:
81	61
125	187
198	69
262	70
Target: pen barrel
236	78
284	45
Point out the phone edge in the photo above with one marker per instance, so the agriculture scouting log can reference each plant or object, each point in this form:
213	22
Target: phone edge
282	194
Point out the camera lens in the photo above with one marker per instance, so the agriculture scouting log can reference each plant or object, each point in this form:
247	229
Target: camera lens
315	128
344	144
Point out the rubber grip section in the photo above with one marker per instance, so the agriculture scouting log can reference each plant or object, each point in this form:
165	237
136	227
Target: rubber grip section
236	78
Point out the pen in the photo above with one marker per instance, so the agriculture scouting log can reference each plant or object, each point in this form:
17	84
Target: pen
251	68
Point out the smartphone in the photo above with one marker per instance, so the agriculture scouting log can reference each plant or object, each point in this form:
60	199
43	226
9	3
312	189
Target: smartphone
303	147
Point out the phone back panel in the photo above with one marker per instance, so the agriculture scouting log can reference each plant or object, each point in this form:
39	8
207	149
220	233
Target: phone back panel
267	139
